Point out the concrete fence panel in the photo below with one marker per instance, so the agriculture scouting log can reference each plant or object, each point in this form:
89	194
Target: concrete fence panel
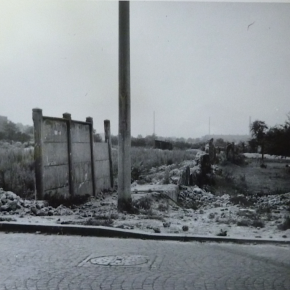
55	158
102	166
67	161
81	159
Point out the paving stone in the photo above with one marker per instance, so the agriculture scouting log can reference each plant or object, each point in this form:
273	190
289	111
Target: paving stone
36	261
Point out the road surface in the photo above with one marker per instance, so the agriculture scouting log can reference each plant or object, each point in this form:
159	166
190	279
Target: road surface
36	261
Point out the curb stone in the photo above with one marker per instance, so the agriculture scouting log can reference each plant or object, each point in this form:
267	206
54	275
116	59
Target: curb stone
110	232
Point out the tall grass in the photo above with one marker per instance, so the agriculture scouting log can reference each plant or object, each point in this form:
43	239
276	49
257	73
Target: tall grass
17	165
146	158
17	171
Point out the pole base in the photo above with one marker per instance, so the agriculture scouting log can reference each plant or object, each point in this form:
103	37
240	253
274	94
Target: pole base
125	204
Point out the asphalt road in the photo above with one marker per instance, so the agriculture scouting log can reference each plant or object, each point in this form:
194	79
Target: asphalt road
36	261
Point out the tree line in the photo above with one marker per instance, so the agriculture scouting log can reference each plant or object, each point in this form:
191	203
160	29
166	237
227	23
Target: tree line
11	132
274	140
149	142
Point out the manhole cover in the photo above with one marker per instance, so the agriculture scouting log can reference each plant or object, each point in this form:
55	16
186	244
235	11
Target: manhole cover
120	260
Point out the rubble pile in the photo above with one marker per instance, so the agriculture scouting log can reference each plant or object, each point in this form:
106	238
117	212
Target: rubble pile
10	203
189	195
195	195
273	202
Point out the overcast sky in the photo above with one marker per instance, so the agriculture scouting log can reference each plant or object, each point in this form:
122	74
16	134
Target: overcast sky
189	61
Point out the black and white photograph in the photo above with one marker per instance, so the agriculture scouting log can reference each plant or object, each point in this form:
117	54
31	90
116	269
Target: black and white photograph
144	145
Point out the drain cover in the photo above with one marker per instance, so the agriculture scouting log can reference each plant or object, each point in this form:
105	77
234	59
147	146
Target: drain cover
120	260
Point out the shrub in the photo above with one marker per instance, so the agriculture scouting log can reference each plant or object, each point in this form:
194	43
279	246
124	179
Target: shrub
142	203
264	209
285	225
241	199
69	202
163	207
244	223
166	179
228	176
239	159
258	224
195	205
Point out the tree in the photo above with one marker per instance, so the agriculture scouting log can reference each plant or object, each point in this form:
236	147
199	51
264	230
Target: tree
220	142
97	138
12	133
278	139
258	130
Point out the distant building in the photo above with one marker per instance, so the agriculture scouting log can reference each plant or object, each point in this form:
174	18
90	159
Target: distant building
227	138
3	122
164	145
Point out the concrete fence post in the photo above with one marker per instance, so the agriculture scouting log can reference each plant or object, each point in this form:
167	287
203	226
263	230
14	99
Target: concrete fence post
107	127
38	152
90	120
67	117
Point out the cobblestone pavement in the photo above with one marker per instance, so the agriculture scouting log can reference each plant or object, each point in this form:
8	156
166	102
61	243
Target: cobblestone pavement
35	261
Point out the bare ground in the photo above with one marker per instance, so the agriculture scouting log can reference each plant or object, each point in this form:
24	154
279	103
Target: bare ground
237	205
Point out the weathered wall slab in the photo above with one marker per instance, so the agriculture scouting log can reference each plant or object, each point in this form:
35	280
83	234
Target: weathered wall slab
81	158
102	166
67	162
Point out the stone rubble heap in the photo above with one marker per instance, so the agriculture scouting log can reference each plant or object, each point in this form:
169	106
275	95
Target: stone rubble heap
193	194
10	203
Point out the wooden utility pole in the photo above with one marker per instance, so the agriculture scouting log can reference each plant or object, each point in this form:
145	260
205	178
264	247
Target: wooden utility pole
209	126
124	159
154	124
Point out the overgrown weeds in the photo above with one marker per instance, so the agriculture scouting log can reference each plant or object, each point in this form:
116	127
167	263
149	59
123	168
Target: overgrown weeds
228	176
257	223
239	159
68	202
241	200
144	203
143	159
17	171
